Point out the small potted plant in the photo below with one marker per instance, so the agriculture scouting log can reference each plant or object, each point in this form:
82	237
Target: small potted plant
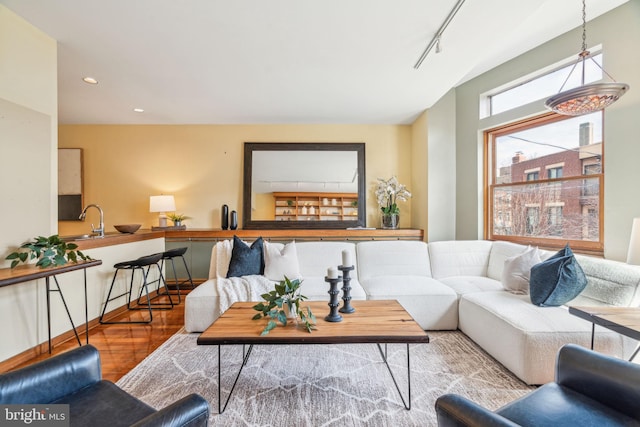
284	303
49	251
388	193
177	218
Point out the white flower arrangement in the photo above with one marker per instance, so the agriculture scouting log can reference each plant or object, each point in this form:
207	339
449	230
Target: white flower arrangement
388	193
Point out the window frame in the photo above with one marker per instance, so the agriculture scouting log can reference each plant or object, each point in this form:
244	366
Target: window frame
489	162
566	66
557	171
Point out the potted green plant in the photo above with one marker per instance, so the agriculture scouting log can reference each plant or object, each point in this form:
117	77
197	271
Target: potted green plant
388	193
49	251
177	218
284	303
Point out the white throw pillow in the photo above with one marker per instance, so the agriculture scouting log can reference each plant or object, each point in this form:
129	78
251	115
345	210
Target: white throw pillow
223	257
517	269
278	264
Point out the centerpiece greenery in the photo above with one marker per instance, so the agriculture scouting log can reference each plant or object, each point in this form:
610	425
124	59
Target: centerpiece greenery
286	297
50	251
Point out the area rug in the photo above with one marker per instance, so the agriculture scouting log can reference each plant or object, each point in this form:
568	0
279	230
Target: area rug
323	385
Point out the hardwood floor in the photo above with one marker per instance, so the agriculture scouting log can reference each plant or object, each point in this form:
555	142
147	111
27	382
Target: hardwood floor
123	346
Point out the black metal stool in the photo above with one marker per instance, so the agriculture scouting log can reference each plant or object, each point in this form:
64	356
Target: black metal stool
169	256
134	265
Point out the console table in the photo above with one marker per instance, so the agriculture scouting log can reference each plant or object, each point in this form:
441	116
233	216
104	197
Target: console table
287	234
623	320
28	273
199	241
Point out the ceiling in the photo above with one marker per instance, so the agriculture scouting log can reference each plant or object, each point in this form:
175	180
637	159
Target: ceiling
281	61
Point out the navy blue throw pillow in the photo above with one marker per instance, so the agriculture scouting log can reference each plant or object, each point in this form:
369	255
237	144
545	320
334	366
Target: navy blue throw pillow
246	260
556	280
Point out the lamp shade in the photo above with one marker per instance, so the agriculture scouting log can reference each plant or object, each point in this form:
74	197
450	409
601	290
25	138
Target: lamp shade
162	204
633	255
586	99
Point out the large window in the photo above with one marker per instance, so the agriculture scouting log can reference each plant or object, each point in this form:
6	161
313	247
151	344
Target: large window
544	181
545	85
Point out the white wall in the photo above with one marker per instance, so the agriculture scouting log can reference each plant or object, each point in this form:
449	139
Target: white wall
28	129
619	32
28	139
442	169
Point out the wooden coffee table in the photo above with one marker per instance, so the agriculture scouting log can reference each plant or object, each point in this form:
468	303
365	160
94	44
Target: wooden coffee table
377	322
623	320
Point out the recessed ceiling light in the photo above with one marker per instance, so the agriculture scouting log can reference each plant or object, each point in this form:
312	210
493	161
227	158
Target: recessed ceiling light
138	110
90	80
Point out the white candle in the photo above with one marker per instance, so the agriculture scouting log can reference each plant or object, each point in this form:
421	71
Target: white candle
332	273
346	258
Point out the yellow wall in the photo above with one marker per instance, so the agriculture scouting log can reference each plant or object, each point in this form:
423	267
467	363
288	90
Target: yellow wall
201	165
263	207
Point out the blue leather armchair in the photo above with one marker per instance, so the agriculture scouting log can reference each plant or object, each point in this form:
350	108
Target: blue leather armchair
75	378
590	389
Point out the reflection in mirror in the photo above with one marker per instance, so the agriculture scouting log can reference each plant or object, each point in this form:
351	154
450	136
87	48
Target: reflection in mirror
69	184
306	185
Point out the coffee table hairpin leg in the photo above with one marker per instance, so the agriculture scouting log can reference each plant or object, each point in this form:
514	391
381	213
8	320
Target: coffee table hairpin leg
407	403
245	357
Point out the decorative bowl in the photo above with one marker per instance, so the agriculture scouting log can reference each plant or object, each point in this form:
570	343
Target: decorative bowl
127	228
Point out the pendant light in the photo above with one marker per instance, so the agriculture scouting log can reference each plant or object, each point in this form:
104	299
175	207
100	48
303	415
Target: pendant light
589	98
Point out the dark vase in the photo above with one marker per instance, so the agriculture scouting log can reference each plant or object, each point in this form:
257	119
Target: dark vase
224	221
390	221
234	220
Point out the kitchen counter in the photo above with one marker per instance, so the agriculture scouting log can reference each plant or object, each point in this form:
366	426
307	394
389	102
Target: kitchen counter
112	238
26	301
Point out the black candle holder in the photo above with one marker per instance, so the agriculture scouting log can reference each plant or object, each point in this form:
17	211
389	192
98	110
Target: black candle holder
333	315
346	289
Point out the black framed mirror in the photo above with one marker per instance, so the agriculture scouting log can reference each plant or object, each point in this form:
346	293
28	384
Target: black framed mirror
304	185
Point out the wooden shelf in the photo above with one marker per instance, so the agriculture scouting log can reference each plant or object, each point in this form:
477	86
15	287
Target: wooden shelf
316	206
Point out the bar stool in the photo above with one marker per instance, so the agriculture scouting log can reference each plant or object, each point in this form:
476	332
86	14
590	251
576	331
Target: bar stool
169	256
136	265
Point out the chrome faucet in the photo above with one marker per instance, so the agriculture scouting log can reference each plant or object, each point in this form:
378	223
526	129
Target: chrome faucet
100	230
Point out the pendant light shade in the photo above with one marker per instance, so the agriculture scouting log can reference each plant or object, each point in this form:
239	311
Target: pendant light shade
586	98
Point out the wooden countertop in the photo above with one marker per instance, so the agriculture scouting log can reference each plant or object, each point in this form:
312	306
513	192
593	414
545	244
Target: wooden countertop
111	239
28	272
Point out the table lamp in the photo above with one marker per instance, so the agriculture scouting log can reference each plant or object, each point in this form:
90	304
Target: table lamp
162	204
633	255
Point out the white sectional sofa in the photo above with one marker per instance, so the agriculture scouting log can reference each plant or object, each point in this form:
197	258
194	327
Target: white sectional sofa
202	305
401	270
457	285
